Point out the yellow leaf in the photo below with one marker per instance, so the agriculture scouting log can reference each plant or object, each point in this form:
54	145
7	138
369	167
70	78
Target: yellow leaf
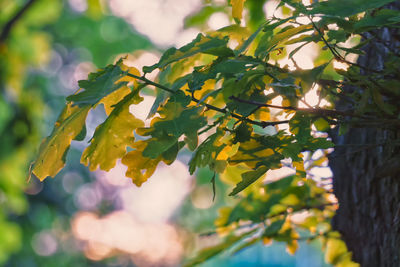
235	32
223	217
237	8
251	159
228	151
52	151
113	98
335	250
347	263
263	115
232	174
286	103
208	86
277	208
292	247
290	200
223	228
267	241
110	100
139	168
299	165
111	138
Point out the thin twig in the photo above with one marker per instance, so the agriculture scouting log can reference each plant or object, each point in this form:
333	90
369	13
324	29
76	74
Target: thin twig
333	51
336	54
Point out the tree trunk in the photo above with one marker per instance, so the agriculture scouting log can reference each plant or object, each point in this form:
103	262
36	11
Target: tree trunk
367	177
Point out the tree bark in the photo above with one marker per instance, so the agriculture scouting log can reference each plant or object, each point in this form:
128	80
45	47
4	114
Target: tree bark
367	177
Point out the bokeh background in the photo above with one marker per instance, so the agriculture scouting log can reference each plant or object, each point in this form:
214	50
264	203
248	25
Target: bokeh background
84	218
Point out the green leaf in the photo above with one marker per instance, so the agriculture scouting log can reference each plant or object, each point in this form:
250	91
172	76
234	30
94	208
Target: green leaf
248	41
248	178
199	76
161	98
176	120
273	229
239	86
99	85
269	40
242	133
281	184
321	124
212	93
337	35
300	126
319	143
159	145
170	155
235	66
53	150
204	153
166	132
224	67
201	44
292	151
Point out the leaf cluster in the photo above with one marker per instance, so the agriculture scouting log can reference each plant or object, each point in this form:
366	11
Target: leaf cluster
219	101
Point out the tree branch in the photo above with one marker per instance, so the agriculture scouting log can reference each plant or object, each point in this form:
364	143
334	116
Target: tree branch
317	111
262	124
8	26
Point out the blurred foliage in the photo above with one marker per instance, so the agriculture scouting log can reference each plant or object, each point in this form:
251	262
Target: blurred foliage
39	41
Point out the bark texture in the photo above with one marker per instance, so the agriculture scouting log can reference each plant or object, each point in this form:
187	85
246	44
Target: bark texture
367	177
